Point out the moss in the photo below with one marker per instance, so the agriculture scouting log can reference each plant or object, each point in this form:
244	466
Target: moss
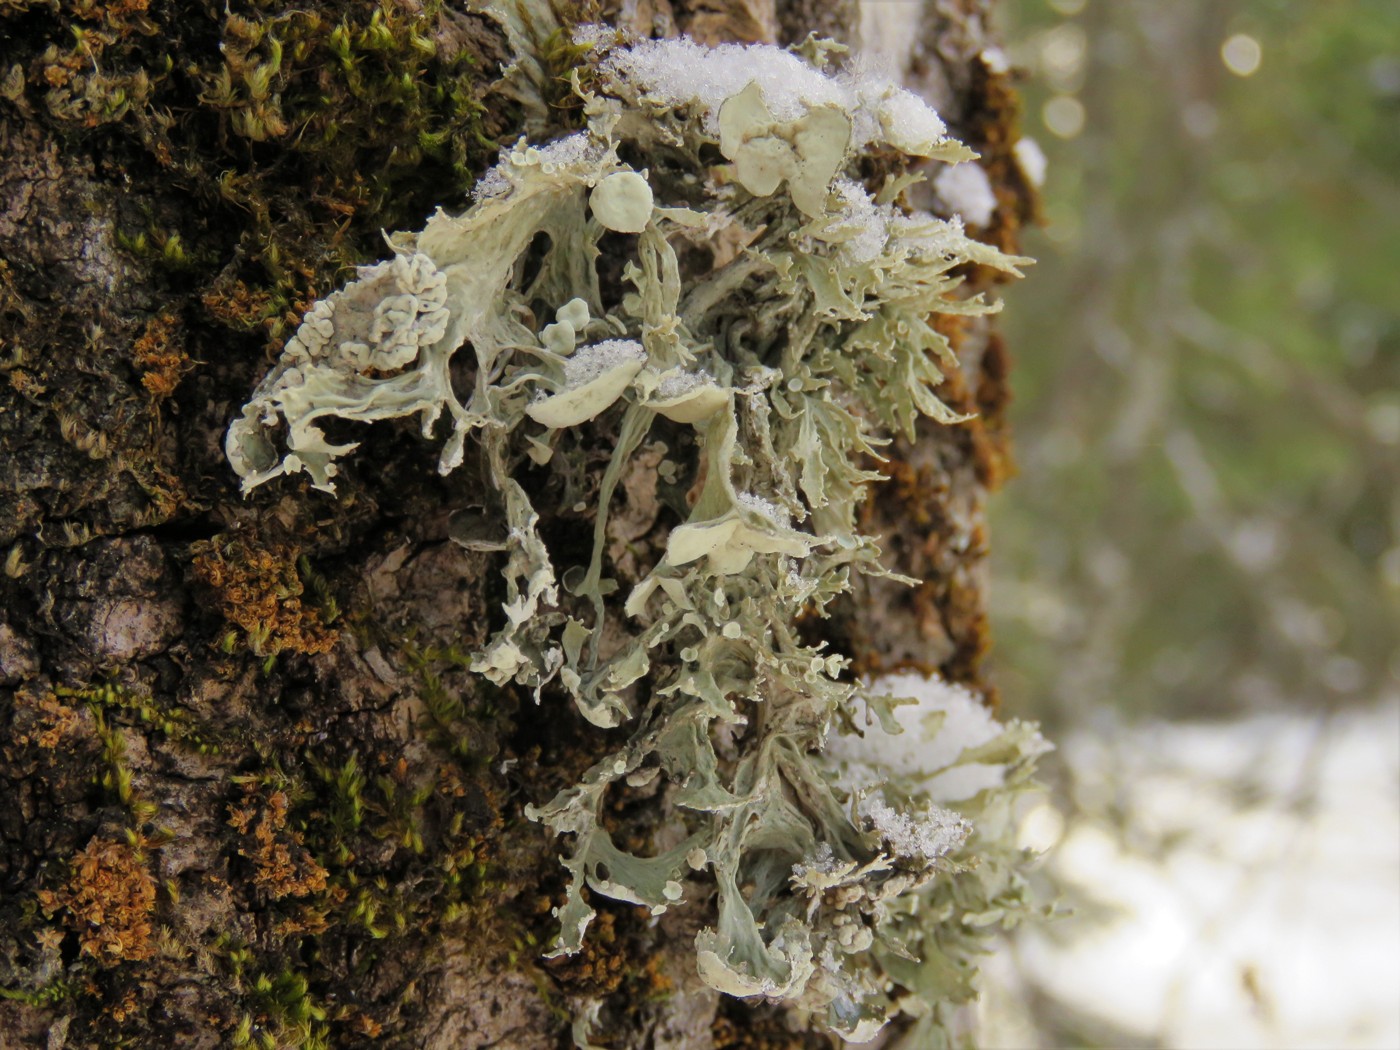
282	866
159	354
259	589
172	722
365	854
282	1013
264	152
107	900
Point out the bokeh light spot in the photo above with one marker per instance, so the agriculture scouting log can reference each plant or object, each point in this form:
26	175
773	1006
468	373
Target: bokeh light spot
1241	54
1064	116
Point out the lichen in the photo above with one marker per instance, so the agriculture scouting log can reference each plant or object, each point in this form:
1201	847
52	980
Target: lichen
777	369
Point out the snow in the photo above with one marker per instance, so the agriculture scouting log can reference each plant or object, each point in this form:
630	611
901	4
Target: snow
937	832
1032	161
589	362
996	61
859	212
680	72
916	753
677	383
966	190
1251	899
493	183
571	149
822	862
908	118
564	152
591	34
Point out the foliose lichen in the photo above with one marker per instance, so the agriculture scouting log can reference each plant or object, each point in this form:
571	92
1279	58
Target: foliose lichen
776	308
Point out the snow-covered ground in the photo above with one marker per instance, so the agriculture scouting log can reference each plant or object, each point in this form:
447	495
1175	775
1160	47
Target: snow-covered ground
1238	886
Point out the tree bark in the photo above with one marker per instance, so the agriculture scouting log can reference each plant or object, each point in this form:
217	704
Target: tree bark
249	792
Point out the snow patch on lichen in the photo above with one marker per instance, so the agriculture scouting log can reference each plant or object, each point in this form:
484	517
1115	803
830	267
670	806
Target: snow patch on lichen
932	834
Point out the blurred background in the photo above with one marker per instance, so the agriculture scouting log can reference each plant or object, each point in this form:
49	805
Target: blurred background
1197	572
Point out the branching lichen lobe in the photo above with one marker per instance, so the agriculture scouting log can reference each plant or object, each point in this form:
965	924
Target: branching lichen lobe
791	361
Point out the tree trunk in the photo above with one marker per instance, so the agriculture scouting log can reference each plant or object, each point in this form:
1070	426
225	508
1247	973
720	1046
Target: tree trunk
252	794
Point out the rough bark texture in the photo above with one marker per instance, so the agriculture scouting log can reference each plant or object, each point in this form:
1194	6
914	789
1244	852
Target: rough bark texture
249	794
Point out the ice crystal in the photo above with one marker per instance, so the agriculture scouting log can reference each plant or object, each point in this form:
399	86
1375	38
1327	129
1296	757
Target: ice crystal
931	835
589	362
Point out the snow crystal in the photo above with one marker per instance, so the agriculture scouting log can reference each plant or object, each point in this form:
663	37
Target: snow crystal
566	152
766	508
822	862
916	754
592	34
589	362
967	191
494	183
937	832
675	384
679	72
1031	159
861	213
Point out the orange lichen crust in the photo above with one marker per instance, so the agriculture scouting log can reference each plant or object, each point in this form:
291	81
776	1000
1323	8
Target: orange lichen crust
49	724
108	901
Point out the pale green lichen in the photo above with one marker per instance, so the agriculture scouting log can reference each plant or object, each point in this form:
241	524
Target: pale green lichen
622	202
787	357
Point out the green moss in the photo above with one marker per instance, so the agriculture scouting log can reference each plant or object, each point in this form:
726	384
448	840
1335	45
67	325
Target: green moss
282	1014
306	128
174	723
56	991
